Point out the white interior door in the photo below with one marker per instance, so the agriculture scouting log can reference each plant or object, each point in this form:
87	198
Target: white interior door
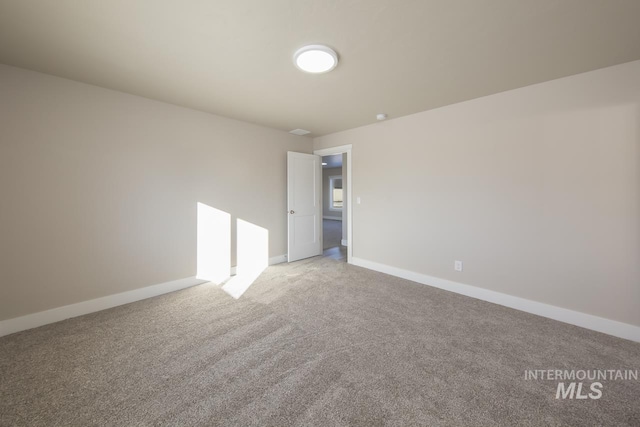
304	209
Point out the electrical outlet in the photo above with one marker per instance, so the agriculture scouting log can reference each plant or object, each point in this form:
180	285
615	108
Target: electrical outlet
457	265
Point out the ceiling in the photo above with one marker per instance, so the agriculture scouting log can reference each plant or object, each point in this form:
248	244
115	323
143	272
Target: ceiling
234	57
332	161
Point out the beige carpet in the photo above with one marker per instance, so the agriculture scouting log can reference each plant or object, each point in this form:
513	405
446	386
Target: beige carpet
313	343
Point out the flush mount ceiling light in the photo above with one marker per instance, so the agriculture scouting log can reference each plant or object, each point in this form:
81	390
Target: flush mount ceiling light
299	131
315	58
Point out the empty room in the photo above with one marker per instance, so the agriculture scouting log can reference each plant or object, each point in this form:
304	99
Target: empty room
320	213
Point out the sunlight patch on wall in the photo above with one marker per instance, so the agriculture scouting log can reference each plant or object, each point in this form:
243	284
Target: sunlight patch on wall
253	257
213	244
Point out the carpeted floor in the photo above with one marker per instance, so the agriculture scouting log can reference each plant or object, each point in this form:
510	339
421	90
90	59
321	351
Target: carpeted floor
331	233
313	343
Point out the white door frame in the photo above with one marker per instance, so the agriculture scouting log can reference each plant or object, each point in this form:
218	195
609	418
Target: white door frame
339	150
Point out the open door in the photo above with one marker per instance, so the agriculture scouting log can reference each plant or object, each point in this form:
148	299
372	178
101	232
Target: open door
304	209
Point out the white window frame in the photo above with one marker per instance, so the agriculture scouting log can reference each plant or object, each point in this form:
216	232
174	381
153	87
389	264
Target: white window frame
331	178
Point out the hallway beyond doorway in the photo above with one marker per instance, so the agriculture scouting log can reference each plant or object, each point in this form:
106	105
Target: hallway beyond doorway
332	235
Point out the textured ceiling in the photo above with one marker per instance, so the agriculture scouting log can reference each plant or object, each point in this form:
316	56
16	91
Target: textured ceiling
234	57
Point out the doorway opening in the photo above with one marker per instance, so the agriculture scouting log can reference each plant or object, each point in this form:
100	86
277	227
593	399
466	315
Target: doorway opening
336	203
334	218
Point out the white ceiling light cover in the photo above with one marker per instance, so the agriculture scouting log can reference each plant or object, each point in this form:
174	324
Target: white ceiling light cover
299	131
315	59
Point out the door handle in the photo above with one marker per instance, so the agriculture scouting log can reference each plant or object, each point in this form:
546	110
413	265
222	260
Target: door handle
292	212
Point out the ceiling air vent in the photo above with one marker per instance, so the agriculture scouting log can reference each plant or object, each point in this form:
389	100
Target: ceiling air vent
299	132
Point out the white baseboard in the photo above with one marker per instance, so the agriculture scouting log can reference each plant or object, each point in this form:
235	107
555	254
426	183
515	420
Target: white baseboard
279	259
588	321
343	242
272	261
334	218
41	318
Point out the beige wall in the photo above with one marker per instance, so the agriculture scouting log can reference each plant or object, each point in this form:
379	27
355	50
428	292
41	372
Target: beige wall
536	190
326	174
99	188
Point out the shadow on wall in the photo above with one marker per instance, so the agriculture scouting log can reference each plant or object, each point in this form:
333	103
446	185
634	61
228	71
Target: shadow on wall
214	250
